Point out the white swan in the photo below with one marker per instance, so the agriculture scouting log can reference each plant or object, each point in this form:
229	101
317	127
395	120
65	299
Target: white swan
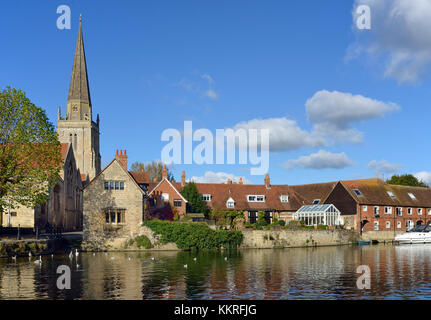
29	254
71	254
152	258
185	266
14	258
225	258
194	259
38	261
129	259
76	252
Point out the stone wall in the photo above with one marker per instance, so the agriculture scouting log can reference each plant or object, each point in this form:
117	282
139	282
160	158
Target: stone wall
122	243
269	239
381	236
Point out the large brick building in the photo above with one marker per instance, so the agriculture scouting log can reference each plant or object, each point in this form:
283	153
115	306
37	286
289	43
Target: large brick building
377	206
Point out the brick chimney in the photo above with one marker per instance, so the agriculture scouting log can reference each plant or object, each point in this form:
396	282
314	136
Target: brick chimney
267	181
229	181
240	181
183	178
165	172
122	157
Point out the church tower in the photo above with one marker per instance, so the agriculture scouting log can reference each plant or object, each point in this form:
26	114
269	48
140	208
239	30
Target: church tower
78	127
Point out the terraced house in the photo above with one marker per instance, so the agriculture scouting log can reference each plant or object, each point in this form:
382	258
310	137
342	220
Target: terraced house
377	206
277	201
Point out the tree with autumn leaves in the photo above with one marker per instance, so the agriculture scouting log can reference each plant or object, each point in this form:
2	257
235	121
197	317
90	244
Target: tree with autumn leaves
30	156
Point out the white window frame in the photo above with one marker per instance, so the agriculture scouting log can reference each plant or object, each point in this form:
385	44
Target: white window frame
420	211
376	224
400	209
255	198
364	208
230	203
410	211
376	212
399	224
165	196
429	211
388	210
206	197
284	198
388	224
391	194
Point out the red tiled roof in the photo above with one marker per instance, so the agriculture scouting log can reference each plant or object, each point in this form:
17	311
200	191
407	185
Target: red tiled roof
141	177
221	192
63	148
314	191
375	192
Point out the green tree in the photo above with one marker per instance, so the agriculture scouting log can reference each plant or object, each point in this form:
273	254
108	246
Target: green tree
261	221
30	157
155	170
195	202
406	180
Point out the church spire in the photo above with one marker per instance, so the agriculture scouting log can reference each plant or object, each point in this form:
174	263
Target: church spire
79	101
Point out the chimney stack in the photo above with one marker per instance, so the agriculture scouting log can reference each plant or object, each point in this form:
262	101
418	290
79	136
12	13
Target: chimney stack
267	181
122	158
183	179
164	172
229	181
240	181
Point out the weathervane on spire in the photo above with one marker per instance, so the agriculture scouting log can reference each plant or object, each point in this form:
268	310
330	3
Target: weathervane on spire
80	17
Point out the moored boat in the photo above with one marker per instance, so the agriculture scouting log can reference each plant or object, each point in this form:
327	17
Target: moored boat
419	234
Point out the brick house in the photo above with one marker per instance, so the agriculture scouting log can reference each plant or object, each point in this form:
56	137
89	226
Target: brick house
377	206
279	201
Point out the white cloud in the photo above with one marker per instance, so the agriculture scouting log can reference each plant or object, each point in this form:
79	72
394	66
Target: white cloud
320	160
400	37
217	177
211	94
334	112
384	167
332	115
201	84
424	176
284	134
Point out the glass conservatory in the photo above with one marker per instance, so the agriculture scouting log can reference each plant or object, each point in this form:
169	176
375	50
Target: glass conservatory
326	214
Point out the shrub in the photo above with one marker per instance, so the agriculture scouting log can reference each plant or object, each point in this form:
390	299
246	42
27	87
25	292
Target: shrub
322	227
131	242
194	236
261	221
143	241
281	223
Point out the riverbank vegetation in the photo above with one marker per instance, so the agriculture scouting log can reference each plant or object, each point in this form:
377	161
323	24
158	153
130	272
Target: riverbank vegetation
194	236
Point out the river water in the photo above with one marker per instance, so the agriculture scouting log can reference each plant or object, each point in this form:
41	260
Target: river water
397	272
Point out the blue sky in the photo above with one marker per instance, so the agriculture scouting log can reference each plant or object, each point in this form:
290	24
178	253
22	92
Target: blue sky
154	64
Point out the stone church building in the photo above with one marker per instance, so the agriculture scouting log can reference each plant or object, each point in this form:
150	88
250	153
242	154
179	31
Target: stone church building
79	138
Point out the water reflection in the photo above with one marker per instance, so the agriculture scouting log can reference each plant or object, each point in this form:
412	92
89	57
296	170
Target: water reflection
397	272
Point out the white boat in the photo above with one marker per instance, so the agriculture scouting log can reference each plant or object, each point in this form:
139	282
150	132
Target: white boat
419	234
